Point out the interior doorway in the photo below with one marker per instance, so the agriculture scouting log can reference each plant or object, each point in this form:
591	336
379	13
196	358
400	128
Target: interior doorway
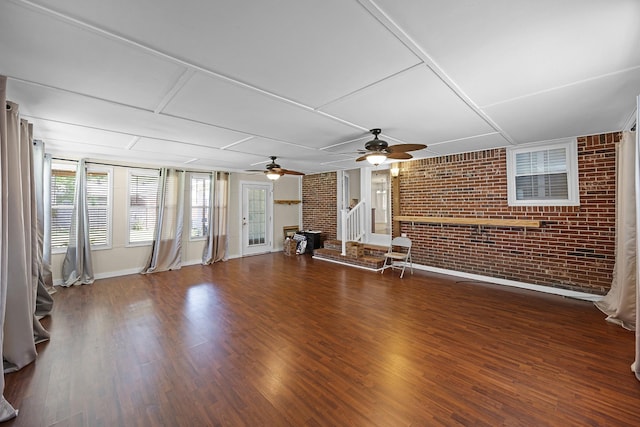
380	202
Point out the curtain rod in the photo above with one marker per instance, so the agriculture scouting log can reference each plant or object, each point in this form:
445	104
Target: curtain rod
104	164
134	167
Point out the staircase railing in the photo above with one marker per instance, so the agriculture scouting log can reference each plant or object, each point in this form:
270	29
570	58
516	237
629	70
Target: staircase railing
353	225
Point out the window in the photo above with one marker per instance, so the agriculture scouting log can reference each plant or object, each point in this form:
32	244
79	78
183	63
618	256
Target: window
99	207
200	193
63	182
143	205
543	174
63	185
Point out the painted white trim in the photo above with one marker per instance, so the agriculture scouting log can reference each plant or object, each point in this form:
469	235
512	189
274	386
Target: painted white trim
512	283
107	275
491	280
632	120
127	272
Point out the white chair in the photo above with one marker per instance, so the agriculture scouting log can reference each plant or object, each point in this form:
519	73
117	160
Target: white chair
399	250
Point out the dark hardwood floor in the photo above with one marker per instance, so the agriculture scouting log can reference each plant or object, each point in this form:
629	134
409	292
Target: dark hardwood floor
273	340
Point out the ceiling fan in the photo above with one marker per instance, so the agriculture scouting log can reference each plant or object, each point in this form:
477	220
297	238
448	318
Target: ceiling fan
274	171
377	151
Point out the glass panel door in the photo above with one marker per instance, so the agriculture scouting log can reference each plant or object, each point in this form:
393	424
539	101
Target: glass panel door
256	219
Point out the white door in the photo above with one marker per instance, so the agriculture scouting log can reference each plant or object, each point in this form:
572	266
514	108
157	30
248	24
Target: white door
256	218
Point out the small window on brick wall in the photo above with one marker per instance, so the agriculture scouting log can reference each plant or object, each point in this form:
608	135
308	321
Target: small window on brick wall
543	174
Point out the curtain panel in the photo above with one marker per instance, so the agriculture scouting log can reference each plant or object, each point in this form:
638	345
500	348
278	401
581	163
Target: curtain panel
44	301
19	246
166	251
215	248
77	267
620	302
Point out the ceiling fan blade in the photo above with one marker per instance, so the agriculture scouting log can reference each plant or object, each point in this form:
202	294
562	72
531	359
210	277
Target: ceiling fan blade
361	158
399	156
289	172
402	148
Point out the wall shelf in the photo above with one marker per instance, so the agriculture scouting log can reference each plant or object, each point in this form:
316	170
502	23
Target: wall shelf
286	202
490	222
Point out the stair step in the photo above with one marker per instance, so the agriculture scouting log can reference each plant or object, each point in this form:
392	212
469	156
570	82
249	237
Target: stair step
369	250
366	261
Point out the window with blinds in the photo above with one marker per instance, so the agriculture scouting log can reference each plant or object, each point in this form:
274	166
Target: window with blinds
99	207
200	194
544	174
143	205
63	182
63	185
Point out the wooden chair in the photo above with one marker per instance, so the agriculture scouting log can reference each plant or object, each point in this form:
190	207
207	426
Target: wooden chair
400	251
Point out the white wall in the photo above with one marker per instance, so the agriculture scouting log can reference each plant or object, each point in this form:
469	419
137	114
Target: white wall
122	259
286	188
354	184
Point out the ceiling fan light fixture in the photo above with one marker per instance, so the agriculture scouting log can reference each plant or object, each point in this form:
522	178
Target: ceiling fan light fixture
376	158
273	176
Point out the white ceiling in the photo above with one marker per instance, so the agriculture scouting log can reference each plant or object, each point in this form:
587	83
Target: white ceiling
223	85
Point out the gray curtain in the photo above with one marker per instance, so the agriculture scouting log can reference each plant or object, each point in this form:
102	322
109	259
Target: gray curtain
636	142
215	248
620	302
42	180
167	245
77	268
19	270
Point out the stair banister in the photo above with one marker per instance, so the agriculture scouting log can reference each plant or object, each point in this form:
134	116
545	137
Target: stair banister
353	226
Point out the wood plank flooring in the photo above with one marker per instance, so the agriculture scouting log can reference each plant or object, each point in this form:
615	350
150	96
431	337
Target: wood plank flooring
273	340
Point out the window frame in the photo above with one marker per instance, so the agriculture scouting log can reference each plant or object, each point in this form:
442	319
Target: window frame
570	145
140	172
197	175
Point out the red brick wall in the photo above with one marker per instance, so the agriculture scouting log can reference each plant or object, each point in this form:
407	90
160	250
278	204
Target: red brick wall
574	249
319	203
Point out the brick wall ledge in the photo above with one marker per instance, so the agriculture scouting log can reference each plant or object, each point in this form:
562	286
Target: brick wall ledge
492	222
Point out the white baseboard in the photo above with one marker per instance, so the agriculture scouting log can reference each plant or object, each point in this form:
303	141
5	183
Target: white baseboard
106	275
505	282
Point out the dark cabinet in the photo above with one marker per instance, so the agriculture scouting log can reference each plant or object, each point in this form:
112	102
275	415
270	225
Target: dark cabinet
314	240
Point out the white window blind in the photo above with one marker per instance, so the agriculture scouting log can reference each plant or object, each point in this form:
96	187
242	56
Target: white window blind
63	184
200	191
98	197
543	174
143	206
